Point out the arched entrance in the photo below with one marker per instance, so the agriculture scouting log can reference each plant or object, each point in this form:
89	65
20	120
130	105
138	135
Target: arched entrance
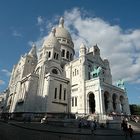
114	98
91	103
106	100
122	104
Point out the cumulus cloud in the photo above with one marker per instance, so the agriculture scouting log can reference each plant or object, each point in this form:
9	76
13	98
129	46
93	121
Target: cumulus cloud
121	47
38	42
41	24
40	20
8	73
2	82
16	34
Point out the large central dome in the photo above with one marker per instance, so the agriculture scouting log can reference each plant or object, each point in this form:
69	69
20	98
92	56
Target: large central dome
61	32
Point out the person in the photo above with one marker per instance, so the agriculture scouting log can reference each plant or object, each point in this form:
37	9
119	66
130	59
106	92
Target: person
95	125
80	125
130	131
124	128
92	125
107	123
44	119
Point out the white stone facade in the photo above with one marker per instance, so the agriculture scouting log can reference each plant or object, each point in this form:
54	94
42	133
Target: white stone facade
55	82
3	101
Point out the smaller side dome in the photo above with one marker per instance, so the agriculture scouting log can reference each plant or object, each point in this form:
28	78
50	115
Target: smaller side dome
82	50
32	52
51	40
82	46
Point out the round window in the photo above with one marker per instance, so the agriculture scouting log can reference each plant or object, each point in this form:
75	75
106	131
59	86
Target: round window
55	71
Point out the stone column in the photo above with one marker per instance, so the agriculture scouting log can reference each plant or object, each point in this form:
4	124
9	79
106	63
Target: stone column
118	104
126	109
110	105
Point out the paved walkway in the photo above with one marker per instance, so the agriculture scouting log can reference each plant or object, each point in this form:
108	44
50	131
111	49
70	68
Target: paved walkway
67	130
37	131
135	127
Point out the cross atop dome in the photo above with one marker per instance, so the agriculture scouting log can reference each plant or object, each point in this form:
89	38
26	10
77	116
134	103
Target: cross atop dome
53	31
61	22
33	45
82	46
32	52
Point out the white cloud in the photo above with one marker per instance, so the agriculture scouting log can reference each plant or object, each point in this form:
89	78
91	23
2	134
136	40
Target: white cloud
38	42
40	20
121	47
41	24
2	82
8	73
16	34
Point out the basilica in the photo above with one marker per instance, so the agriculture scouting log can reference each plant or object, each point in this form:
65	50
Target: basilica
53	80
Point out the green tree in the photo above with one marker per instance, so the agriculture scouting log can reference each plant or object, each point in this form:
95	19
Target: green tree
135	109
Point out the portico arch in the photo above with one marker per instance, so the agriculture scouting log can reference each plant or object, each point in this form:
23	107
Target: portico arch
114	99
92	103
106	100
122	104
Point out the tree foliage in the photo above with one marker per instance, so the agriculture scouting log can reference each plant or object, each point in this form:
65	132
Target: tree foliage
135	109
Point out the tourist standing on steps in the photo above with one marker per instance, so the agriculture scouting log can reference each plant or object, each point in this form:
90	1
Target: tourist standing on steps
80	125
92	125
95	125
124	128
130	131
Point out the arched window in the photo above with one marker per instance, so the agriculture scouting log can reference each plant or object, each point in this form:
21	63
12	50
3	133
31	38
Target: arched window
55	93
71	57
54	55
75	71
63	53
67	55
75	101
54	71
57	56
72	100
64	94
49	54
60	91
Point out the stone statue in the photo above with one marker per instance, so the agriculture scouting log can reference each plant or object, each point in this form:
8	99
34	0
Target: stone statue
96	72
120	84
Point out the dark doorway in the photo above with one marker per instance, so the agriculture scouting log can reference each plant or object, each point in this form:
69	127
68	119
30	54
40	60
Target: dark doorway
91	103
106	96
114	97
122	106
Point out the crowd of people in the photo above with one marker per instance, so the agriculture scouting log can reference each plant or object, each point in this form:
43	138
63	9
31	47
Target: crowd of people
93	125
127	129
88	124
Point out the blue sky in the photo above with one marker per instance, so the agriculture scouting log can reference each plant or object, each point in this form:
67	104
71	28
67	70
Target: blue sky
113	25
